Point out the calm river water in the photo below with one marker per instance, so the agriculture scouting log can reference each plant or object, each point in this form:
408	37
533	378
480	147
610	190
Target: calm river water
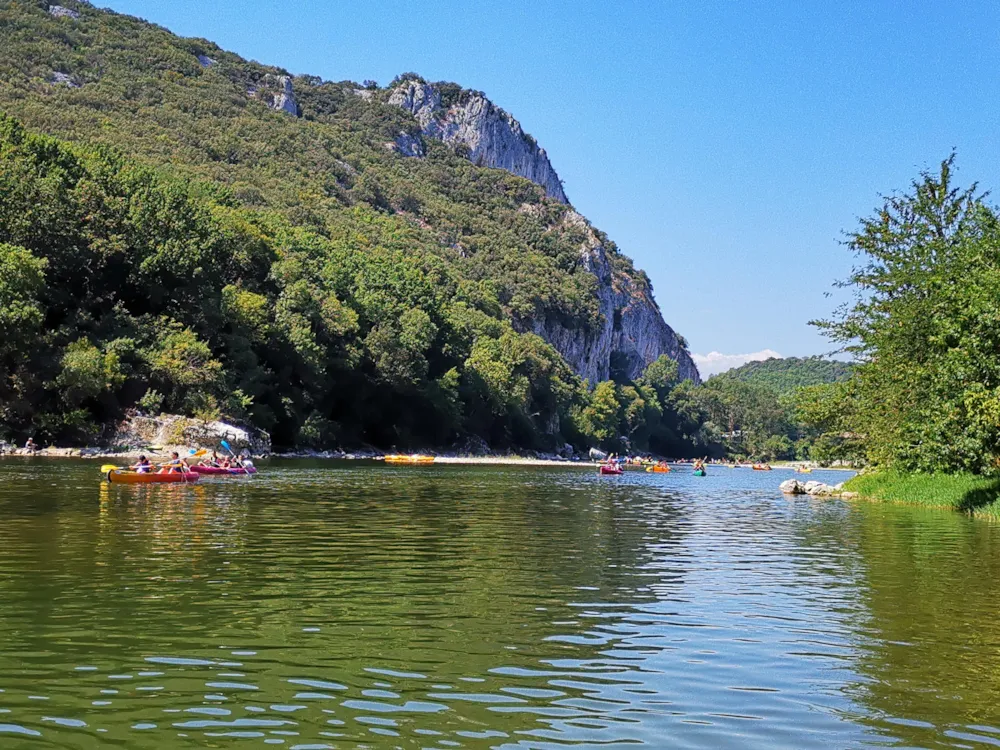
336	605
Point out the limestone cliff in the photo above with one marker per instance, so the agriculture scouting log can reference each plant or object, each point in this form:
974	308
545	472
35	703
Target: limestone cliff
492	137
633	332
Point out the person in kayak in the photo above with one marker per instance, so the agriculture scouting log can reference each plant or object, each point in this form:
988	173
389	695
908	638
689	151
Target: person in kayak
142	466
175	465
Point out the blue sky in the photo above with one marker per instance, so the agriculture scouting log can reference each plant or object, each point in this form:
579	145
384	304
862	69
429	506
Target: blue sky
725	146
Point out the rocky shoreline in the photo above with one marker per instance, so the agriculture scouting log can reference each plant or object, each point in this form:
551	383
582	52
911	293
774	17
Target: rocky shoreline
816	489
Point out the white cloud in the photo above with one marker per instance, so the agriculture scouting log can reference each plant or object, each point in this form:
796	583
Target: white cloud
715	362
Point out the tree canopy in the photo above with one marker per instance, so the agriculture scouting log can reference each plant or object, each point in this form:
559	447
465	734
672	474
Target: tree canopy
925	327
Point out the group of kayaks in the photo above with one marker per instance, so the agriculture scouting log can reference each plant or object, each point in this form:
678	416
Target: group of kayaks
129	476
177	471
616	469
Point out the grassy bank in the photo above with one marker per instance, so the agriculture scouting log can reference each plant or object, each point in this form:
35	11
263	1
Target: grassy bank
967	493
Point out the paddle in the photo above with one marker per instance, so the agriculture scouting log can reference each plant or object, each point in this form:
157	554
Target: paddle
225	445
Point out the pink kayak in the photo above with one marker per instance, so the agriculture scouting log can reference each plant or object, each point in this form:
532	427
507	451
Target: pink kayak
233	470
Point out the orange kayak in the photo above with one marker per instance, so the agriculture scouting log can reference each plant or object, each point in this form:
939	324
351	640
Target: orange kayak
659	469
133	477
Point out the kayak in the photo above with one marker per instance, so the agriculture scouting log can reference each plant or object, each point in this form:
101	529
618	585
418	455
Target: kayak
232	470
118	476
699	472
659	469
416	459
761	467
610	470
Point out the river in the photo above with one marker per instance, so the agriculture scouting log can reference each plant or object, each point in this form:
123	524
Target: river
349	605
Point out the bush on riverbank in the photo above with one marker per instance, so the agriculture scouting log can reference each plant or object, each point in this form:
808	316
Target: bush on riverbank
963	492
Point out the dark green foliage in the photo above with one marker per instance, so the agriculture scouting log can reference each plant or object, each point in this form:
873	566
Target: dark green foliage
926	396
121	286
183	247
787	374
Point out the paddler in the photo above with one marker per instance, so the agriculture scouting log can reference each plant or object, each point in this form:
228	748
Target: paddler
176	465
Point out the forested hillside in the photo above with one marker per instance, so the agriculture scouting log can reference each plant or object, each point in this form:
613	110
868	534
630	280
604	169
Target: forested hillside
207	236
786	374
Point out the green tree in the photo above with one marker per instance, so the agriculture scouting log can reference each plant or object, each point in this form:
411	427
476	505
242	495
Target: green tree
924	327
599	418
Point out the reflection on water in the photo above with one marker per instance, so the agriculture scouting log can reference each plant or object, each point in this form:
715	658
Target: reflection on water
326	605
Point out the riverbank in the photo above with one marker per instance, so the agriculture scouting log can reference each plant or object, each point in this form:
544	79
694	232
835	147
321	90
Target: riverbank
163	451
966	493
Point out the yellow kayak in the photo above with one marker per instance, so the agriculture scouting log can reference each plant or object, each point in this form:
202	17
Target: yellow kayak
414	459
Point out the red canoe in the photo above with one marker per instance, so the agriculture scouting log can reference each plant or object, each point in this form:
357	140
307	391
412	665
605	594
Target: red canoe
133	477
233	470
610	470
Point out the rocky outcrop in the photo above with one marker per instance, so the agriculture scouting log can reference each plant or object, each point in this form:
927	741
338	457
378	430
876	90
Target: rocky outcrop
408	145
633	330
169	431
277	93
64	79
58	11
491	136
815	489
205	61
284	100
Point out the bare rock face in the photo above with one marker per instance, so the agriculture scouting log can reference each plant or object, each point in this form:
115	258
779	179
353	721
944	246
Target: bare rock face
633	328
493	138
276	92
64	79
284	100
58	11
408	145
205	61
633	331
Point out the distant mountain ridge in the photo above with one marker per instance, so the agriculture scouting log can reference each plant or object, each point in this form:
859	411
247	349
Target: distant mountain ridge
786	374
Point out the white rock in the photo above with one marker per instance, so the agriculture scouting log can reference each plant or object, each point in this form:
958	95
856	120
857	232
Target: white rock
408	145
206	62
493	137
64	79
818	488
791	487
59	11
284	100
